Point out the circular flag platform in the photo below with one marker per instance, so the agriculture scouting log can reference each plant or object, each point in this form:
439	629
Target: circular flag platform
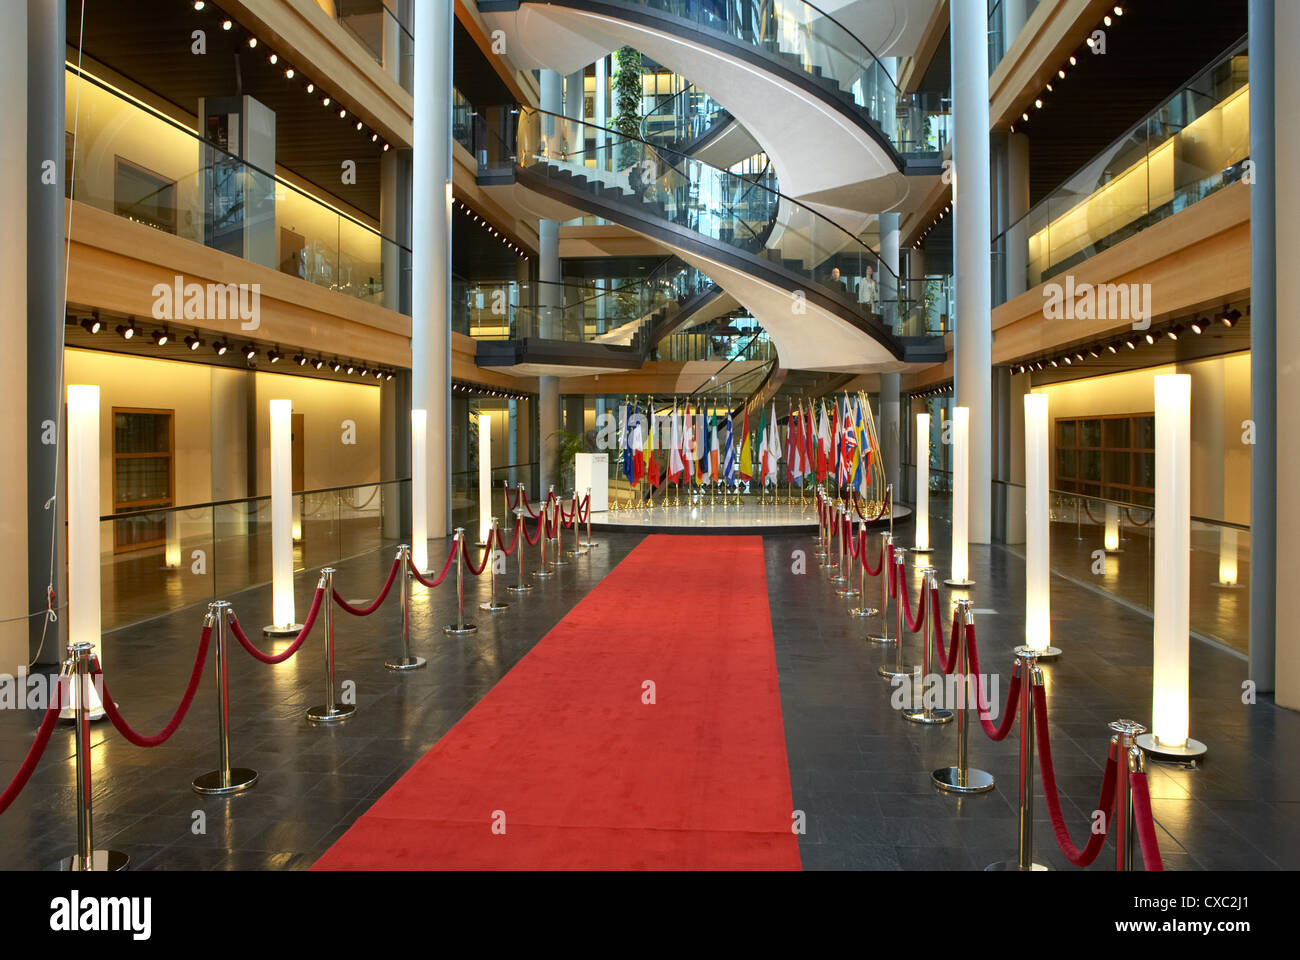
706	518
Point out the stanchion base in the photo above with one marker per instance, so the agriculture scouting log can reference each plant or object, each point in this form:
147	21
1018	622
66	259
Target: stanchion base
889	673
324	714
67	714
560	562
454	631
104	861
591	544
543	574
849	592
493	606
950	780
863	612
581	551
930	718
839	578
519	587
924	551
1188	753
1226	586
959	583
406	663
1014	867
241	778
1049	653
880	639
292	630
1116	550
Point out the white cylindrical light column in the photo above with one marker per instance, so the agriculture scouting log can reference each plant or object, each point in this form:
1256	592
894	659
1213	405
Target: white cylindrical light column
922	544
960	498
1038	571
484	476
282	613
419	491
1111	541
1227	557
83	526
1173	543
172	552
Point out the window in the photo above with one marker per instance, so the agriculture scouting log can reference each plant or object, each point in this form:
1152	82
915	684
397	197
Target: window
1110	457
143	462
144	196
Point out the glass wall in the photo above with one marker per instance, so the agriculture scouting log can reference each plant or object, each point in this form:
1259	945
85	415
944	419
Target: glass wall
136	163
1191	146
383	28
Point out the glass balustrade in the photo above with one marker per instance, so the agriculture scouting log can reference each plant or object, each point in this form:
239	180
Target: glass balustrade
726	207
383	28
188	555
1192	145
136	163
809	40
677	120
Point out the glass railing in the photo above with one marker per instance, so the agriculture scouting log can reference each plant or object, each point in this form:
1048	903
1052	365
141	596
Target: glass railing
807	39
709	344
681	118
1192	145
464	495
728	208
136	163
158	560
383	28
927	307
1110	546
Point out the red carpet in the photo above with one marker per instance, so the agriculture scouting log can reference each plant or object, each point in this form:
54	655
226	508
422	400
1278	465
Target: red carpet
586	774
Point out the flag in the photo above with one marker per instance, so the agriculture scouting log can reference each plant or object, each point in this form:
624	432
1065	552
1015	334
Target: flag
763	464
823	444
809	440
638	446
729	454
715	452
688	459
626	435
675	465
861	474
746	464
774	444
791	434
795	443
848	447
833	450
652	468
706	450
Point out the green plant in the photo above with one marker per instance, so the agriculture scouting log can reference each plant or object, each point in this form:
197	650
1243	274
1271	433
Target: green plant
567	447
628	89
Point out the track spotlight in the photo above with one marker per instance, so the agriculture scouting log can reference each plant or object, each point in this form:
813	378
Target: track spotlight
220	347
318	363
335	366
1172	333
1149	337
351	369
1130	344
1111	348
275	356
288	74
160	337
1198	325
299	359
193	342
250	352
325	102
1231	317
126	330
93	324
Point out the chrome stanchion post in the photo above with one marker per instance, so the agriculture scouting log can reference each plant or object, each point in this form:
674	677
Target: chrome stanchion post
87	858
928	714
900	569
820	553
523	586
223	779
460	626
961	779
1030	677
406	661
492	604
590	543
886	540
862	610
849	590
330	711
560	560
837	523
544	571
1129	759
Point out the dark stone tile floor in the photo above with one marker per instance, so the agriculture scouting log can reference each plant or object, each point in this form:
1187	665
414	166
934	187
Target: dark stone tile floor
860	773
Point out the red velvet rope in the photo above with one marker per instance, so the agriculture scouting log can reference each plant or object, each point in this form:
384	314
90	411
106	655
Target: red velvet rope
372	607
1146	827
893	572
586	508
1106	804
451	555
139	739
568	520
531	541
514	538
34	753
947	663
510	504
307	624
913	625
862	552
487	555
1134	522
850	539
1000	731
523	501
